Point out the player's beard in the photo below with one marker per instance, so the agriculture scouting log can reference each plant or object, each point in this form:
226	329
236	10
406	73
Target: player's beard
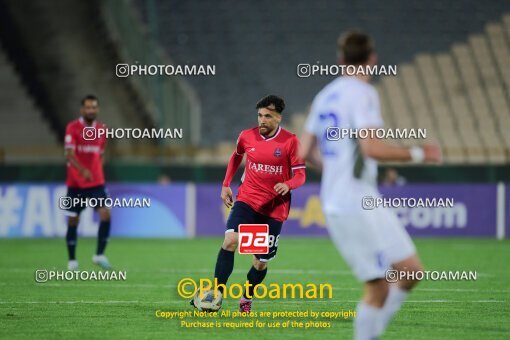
89	118
265	130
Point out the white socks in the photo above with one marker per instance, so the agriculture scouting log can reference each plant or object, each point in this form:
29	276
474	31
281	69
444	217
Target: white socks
396	297
371	321
368	321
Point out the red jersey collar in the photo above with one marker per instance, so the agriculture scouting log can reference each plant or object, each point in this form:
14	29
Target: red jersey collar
274	136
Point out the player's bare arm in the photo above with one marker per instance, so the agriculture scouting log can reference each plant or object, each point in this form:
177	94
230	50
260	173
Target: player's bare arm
226	191
226	196
382	151
308	151
71	158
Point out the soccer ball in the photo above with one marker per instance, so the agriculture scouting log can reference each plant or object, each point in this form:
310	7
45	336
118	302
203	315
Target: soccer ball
207	303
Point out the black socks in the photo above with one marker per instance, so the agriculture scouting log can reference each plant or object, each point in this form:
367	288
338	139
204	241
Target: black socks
102	239
224	267
102	236
254	277
71	238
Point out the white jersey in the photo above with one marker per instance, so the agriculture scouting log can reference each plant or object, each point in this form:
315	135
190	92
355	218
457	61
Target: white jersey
345	103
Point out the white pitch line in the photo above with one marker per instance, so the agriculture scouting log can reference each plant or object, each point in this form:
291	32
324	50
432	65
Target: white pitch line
184	302
123	284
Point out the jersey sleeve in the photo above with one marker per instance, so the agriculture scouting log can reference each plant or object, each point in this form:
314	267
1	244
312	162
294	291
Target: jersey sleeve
240	144
235	161
366	112
295	161
70	138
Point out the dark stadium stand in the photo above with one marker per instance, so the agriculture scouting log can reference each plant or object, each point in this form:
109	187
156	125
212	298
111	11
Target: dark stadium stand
462	96
19	113
69	56
73	57
454	82
235	37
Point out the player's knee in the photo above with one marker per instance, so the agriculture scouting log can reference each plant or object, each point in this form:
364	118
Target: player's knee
259	265
72	221
411	279
410	267
415	267
104	214
230	242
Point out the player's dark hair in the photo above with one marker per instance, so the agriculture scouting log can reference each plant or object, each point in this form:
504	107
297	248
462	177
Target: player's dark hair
89	97
271	100
355	47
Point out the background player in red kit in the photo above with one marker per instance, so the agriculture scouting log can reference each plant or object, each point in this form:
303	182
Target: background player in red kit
272	169
85	178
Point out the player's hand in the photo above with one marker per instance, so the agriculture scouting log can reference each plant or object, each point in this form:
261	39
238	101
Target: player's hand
86	174
282	188
433	153
226	196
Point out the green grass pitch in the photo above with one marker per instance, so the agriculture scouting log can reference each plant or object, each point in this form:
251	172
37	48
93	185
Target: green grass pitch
104	310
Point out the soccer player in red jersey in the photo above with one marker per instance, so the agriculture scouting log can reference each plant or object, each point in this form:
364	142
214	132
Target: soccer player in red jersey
85	178
272	170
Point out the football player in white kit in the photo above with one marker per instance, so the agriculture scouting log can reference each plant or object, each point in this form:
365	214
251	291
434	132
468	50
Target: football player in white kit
371	241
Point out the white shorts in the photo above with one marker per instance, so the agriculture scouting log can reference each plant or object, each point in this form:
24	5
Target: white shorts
370	241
